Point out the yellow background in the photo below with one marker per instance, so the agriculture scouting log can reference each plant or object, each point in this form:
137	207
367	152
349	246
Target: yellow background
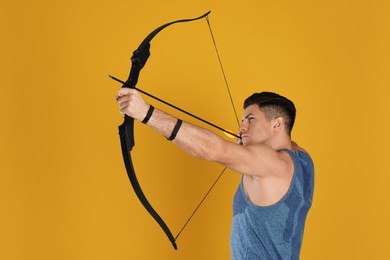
64	193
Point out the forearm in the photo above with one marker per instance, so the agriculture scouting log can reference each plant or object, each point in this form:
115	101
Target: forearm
196	141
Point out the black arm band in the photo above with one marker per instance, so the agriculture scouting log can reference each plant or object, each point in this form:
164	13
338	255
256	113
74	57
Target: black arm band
175	130
148	115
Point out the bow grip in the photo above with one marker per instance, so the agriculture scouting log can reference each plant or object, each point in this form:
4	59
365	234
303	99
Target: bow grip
126	133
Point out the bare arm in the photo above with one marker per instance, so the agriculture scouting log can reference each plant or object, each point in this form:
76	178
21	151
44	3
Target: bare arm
255	160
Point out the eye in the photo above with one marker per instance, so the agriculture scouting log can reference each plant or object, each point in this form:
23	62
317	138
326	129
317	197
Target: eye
251	118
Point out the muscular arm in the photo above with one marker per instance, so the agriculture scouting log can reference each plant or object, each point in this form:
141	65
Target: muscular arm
255	160
196	141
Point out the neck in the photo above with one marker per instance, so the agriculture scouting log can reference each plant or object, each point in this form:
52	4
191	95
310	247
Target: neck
283	142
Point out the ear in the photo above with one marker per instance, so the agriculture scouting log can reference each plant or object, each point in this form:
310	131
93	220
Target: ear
277	124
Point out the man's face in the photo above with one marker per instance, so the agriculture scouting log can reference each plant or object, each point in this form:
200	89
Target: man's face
255	128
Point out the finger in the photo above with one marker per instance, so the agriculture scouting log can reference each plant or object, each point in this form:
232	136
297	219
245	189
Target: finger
123	109
123	105
239	140
124	91
125	98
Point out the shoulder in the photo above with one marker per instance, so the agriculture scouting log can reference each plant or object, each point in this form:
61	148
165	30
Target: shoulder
256	160
271	163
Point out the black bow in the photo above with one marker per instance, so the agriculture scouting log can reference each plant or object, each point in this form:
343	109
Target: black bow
126	130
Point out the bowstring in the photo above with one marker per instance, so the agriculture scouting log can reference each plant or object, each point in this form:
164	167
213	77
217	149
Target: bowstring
238	123
222	69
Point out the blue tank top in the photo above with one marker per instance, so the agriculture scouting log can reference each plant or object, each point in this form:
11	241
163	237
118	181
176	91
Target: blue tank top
276	231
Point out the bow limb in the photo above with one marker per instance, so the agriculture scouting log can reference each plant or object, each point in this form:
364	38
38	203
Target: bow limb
127	126
126	130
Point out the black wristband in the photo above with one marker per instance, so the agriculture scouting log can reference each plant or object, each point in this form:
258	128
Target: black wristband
175	130
148	115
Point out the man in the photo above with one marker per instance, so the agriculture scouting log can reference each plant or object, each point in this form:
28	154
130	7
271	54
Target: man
275	193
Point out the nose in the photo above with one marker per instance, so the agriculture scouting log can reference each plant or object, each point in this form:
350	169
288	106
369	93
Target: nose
243	127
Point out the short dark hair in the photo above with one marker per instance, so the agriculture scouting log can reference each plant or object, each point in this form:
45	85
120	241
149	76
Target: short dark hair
274	105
